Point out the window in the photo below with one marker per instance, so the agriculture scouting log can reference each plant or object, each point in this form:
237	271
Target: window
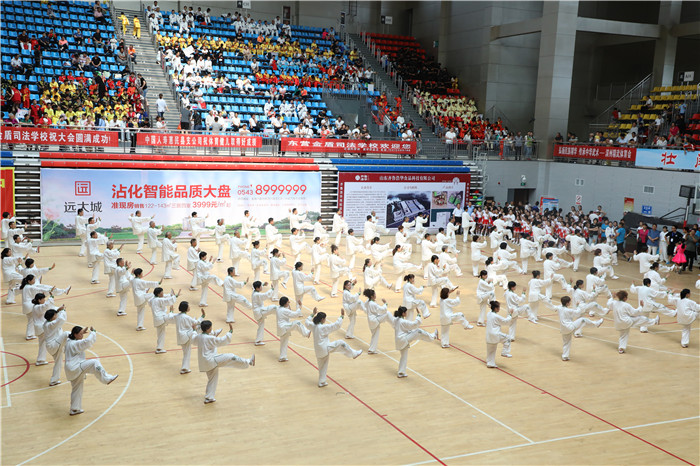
648	190
578	182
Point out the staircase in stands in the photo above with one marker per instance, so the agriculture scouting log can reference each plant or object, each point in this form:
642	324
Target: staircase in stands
147	64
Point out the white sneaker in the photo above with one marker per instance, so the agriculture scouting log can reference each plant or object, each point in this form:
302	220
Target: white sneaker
469	327
507	355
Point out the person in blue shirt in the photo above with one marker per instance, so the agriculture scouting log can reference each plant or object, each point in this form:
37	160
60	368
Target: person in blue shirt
653	240
620	238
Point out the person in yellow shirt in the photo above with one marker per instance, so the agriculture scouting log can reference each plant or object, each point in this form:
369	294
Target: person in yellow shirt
125	23
137	27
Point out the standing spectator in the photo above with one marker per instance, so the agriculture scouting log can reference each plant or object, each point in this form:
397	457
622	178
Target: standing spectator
642	235
185	117
518	145
673	238
691	244
653	240
137	27
450	137
161	106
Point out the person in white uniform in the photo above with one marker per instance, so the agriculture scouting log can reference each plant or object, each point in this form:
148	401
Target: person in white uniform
153	233
237	250
192	259
197	225
449	317
260	310
285	326
10	273
170	255
485	293
645	259
570	322
258	260
277	261
298	279
161	316
338	267
77	366
494	336
231	297
686	313
209	360
401	263
319	256
55	338
477	256
528	248
517	307
647	300
139	288
406	332
354	246
376	314
139	228
351	303
411	301
94	256
272	235
186	329
40	304
320	230
109	259
221	238
320	330
340	226
437	278
204	278
298	244
298	221
627	317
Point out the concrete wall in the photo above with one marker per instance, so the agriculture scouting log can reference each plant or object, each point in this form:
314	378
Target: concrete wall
606	186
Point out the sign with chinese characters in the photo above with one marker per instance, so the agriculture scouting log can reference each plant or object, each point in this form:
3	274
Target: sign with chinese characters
7	190
676	159
621	154
628	205
63	137
198	140
646	210
348	146
172	195
395	196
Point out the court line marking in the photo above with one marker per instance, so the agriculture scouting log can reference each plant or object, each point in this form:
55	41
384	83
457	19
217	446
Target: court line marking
39	389
545	392
441	387
90	424
358	399
631	346
541	442
484	413
6	377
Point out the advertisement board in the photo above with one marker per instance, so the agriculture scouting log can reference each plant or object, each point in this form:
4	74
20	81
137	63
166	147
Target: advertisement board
172	195
549	203
668	158
197	140
395	196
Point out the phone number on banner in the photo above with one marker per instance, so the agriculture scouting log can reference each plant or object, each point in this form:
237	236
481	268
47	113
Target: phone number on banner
262	189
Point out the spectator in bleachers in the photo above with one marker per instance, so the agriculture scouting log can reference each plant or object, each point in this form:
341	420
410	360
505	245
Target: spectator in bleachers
19	67
98	13
137	27
78	37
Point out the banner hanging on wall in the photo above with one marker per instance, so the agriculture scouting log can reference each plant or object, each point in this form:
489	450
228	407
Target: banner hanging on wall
172	195
198	140
352	146
53	136
7	190
621	154
393	197
668	158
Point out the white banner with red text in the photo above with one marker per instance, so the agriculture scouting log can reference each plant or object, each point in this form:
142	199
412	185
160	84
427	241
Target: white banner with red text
620	154
197	140
172	195
349	146
395	196
64	137
675	159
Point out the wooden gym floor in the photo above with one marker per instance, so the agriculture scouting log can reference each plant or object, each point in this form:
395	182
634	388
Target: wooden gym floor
598	408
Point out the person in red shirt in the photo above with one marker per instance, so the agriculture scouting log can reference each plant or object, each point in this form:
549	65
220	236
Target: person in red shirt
26	96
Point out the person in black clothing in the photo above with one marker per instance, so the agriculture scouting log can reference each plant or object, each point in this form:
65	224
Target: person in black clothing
674	237
691	245
101	88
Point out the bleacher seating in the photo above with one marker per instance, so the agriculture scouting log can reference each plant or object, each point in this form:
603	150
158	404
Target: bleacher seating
295	77
53	64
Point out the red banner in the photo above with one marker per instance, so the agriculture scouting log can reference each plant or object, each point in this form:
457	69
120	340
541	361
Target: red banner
197	140
7	190
64	137
355	146
623	154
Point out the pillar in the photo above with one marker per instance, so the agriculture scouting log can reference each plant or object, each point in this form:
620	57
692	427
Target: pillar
665	49
554	72
444	34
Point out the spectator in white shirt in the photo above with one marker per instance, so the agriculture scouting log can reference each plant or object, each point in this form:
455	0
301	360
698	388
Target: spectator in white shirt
161	106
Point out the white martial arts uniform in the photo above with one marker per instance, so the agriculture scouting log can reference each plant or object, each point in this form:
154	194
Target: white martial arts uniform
161	318
231	297
570	322
484	294
627	317
406	332
260	312
494	336
448	317
55	338
686	313
139	225
351	303
221	238
154	243
185	334
323	348
376	314
170	257
209	360
139	288
77	367
203	278
285	325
